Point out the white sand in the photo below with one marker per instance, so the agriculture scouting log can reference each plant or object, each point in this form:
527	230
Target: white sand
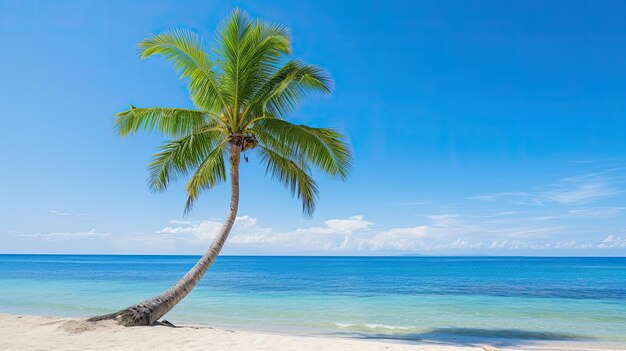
27	333
48	333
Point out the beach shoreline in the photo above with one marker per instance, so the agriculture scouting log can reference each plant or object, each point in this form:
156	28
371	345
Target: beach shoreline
27	332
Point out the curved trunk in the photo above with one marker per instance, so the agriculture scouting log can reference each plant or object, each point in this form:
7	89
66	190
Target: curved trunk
150	311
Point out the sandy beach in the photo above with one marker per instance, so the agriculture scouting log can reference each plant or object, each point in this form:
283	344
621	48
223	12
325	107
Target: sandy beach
21	332
49	333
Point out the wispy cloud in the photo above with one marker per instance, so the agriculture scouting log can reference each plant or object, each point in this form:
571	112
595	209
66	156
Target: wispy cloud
409	203
597	212
575	192
91	234
497	196
61	213
578	190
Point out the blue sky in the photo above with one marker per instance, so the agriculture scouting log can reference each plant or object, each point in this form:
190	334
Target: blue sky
484	127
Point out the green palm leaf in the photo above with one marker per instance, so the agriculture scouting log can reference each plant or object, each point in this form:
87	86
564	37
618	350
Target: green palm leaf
185	50
325	148
181	156
248	53
173	122
294	81
292	174
207	175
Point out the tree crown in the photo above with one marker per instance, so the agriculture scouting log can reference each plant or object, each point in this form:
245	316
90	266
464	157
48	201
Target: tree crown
242	92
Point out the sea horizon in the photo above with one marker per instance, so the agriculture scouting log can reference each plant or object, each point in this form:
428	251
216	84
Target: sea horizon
305	255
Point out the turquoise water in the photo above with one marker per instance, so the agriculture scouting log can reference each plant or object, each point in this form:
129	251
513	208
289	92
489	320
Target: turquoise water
441	299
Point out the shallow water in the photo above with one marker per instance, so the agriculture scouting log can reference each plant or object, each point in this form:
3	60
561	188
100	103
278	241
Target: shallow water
442	299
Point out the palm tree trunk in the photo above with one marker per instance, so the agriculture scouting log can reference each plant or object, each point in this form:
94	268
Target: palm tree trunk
150	311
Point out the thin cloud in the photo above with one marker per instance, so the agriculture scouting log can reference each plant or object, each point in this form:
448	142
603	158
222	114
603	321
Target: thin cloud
60	213
91	234
597	212
580	193
409	203
577	190
500	195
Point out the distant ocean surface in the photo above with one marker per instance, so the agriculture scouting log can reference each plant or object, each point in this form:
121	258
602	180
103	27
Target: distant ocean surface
440	299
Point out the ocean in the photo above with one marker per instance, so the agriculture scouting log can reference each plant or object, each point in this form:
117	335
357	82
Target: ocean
510	300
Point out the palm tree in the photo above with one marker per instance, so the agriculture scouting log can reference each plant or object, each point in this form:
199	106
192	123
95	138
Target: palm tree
242	94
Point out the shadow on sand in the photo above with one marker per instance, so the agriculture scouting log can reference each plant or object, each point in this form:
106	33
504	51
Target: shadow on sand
476	337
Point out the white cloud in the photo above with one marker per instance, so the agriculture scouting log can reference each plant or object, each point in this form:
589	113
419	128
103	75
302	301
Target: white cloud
336	235
355	234
612	242
339	226
207	229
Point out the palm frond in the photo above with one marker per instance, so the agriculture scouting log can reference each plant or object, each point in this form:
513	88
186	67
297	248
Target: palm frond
292	174
180	156
172	122
325	148
249	53
281	93
210	173
261	50
185	50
